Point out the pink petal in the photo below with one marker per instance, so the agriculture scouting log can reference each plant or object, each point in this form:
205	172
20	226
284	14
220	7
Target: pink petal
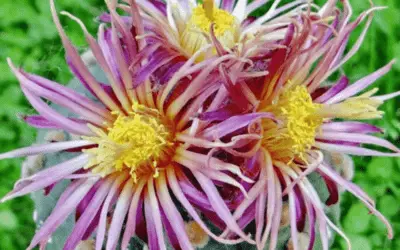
352	150
173	184
58	216
219	205
45	148
55	117
132	214
171	212
98	53
357	138
119	215
360	85
76	60
153	219
110	200
350	127
47	177
88	215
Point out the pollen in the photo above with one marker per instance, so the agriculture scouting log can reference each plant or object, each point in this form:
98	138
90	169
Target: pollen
197	236
195	35
136	142
299	123
222	19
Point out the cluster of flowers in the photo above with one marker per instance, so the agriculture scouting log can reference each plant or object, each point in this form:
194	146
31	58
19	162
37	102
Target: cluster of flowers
211	124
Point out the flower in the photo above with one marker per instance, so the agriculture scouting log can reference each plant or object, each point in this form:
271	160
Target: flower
141	150
216	37
214	27
314	118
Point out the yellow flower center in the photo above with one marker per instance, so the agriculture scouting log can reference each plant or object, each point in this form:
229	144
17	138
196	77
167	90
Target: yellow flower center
299	123
137	141
197	30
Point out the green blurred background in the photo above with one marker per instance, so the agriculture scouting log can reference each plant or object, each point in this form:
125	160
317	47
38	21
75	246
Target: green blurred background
28	36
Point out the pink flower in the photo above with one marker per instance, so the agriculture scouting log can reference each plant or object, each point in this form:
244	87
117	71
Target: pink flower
313	117
140	145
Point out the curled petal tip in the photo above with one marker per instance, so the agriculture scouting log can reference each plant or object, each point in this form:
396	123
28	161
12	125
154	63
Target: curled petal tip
10	64
30	247
4	199
248	180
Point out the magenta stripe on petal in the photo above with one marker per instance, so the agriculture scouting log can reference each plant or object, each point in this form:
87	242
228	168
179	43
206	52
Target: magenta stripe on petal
337	142
195	196
160	58
55	97
110	200
333	191
247	217
169	232
119	215
155	214
219	206
232	124
55	117
69	93
233	88
334	90
38	121
350	127
160	5
260	214
47	177
92	227
80	209
300	209
106	18
171	212
152	231
227	5
88	215
133	214
220	114
357	138
178	192
359	194
71	188
276	218
44	148
352	150
360	85
76	61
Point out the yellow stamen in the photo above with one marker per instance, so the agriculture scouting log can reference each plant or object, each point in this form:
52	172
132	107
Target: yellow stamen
208	6
360	107
226	27
135	141
300	121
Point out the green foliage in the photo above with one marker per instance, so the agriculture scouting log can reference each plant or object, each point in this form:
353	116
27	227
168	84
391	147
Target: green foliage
28	36
357	219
